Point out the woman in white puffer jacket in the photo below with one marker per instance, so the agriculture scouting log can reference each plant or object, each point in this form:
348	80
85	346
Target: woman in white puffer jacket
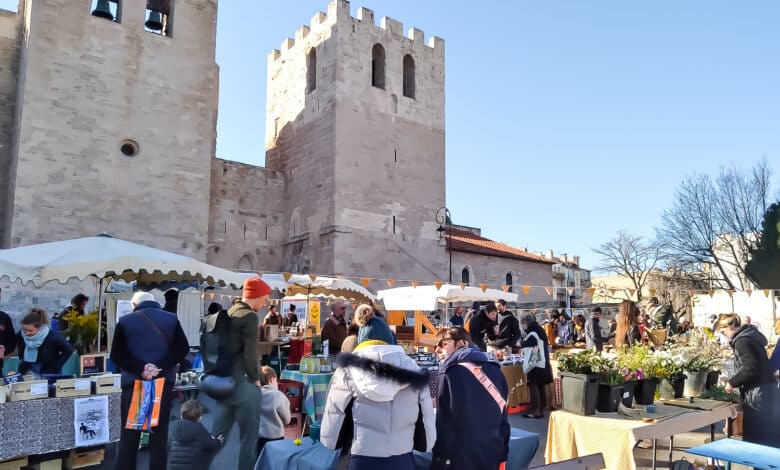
379	407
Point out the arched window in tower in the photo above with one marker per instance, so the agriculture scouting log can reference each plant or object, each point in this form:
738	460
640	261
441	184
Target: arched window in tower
465	276
311	70
408	76
509	281
378	66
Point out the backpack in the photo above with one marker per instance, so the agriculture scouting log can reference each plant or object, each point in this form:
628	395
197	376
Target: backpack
215	345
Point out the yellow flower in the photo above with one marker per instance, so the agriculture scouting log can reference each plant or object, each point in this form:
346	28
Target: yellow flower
297	442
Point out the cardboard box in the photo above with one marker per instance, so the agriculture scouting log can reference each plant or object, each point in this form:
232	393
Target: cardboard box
78	458
53	464
14	464
105	384
73	388
28	390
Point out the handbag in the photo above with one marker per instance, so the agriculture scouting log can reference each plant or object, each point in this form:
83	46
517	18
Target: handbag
216	386
533	356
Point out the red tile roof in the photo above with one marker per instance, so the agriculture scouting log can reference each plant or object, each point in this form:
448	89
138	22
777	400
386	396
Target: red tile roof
462	240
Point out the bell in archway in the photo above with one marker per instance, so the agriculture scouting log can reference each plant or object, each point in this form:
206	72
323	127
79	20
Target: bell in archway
154	22
103	10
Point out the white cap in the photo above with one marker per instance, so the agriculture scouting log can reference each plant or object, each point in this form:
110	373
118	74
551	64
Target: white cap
141	297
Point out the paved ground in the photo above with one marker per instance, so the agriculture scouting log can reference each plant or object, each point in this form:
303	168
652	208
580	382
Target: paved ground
226	459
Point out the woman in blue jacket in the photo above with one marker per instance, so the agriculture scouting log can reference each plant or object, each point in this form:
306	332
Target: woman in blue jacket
472	430
41	350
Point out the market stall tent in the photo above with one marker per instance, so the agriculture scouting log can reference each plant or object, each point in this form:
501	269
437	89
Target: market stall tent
427	298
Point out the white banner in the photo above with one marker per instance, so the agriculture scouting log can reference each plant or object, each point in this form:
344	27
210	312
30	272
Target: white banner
90	420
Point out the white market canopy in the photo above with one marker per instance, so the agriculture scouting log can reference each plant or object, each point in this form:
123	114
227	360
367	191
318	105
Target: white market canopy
320	286
107	258
427	298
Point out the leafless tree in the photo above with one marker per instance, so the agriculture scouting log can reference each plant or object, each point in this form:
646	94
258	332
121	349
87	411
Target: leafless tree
714	222
630	256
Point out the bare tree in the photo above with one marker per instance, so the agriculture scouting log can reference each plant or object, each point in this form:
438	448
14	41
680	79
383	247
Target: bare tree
714	223
630	256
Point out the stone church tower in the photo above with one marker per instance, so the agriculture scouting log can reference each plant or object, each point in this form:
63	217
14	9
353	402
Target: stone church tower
355	120
106	124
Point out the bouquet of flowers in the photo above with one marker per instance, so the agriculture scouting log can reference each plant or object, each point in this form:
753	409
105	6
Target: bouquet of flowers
585	362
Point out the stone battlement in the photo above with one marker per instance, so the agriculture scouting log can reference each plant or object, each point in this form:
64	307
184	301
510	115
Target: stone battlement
338	13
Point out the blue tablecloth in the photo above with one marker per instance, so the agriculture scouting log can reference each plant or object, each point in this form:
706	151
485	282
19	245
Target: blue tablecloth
522	447
315	391
743	453
307	456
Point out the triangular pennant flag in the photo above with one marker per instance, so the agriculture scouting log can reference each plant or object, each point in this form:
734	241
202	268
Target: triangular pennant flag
353	304
365	281
611	292
313	277
483	287
548	290
570	290
340	278
390	282
591	291
766	293
260	274
526	289
415	283
286	276
211	296
438	284
631	292
712	293
533	310
652	292
462	286
749	292
731	292
505	288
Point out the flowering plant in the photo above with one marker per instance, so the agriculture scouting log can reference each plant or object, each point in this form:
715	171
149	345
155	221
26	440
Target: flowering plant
585	362
631	375
613	378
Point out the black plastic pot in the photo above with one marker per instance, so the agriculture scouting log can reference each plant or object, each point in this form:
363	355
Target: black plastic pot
629	390
645	391
608	398
672	387
712	379
580	393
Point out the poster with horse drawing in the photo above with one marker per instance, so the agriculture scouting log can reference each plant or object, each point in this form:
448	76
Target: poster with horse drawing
90	420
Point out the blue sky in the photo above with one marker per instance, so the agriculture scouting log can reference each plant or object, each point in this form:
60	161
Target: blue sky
566	120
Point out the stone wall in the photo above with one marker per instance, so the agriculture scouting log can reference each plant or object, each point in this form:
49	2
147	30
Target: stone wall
90	84
492	270
9	83
247	221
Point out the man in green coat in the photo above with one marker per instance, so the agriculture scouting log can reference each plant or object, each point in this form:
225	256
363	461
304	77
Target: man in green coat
243	406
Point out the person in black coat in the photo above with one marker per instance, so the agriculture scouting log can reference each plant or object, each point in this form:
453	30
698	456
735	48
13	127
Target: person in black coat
537	378
7	337
41	350
508	329
472	430
756	383
191	447
483	326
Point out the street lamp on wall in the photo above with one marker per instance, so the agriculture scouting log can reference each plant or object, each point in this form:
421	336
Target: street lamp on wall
443	218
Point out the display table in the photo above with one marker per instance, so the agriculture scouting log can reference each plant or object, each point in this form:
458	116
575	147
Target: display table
743	453
34	427
315	391
613	435
518	388
307	456
522	448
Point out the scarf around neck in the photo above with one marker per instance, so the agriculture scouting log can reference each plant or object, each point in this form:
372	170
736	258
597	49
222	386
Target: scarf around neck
32	343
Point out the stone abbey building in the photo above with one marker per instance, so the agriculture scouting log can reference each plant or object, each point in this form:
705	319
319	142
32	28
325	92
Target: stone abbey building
108	114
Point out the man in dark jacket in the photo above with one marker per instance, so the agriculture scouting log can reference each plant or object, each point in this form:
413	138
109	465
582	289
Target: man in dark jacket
7	336
471	422
756	383
593	337
148	344
508	328
243	407
483	326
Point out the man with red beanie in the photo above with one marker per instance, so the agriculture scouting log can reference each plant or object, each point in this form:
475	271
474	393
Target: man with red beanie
243	406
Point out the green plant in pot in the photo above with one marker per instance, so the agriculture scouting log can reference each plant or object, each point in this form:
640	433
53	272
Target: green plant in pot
610	390
579	380
699	362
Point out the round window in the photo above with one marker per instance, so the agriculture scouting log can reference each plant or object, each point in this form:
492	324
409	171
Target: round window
130	148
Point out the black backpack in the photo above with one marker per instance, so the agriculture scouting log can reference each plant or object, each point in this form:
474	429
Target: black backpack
215	346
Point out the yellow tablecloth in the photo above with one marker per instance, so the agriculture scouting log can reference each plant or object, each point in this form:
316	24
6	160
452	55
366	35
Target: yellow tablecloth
570	436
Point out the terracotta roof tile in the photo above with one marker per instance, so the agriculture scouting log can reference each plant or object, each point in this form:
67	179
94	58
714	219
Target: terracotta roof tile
462	240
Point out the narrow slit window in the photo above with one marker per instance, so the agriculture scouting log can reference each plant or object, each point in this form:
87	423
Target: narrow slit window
409	85
311	70
378	66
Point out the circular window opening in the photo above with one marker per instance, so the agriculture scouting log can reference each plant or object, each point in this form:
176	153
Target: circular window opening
129	148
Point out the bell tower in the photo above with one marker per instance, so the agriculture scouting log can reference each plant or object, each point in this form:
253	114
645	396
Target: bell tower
115	122
355	119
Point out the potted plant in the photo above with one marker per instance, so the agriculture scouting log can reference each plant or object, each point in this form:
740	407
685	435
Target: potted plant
669	370
641	360
630	380
579	381
699	363
82	330
610	391
718	392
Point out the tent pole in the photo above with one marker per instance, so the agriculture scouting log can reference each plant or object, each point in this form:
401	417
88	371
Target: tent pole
100	312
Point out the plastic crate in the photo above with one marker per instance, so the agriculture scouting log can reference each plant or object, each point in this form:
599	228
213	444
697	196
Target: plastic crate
294	392
298	349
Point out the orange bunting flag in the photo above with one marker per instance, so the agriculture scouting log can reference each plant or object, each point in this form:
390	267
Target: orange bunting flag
483	287
652	292
749	292
571	290
505	288
462	286
548	290
390	282
353	304
365	281
533	310
211	296
415	283
611	292
731	292
712	293
313	277
286	276
591	291
260	274
438	284
340	278
766	293
526	289
631	292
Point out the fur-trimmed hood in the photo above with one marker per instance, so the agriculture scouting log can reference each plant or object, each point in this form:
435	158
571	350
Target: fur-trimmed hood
379	372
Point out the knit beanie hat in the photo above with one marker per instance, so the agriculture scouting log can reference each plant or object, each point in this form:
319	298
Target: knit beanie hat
371	327
254	288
